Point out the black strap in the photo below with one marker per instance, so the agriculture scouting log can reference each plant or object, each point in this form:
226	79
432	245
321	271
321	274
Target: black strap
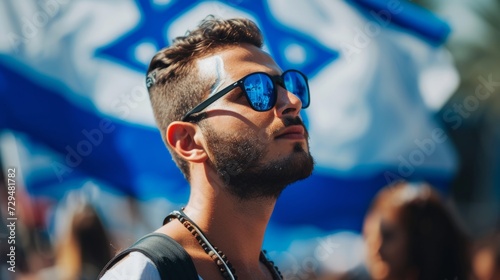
171	260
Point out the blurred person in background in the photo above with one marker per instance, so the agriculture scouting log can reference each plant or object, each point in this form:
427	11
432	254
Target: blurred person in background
486	258
31	246
82	247
411	234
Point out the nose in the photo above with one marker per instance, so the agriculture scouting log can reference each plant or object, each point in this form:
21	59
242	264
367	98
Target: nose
287	103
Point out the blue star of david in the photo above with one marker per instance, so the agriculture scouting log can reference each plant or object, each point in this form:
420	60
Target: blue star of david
155	18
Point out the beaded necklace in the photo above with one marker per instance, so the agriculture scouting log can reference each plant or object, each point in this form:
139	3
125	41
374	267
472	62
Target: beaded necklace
225	267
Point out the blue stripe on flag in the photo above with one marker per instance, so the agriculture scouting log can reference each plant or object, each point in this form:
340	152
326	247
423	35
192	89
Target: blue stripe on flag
407	15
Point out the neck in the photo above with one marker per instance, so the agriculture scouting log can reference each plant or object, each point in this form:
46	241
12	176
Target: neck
236	227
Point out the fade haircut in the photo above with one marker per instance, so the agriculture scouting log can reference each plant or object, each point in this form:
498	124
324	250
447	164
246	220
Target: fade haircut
173	80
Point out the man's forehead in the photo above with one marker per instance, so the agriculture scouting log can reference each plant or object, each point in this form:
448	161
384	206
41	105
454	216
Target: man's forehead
237	61
211	66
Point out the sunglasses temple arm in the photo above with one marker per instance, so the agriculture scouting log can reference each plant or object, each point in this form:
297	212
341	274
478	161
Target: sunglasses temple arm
209	101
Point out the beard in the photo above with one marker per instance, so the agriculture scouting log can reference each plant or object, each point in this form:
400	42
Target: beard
238	160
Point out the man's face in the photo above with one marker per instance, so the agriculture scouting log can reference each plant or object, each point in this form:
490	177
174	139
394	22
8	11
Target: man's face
256	154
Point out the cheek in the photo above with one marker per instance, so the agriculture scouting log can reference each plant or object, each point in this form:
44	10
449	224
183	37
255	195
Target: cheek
261	131
372	237
395	254
261	136
371	232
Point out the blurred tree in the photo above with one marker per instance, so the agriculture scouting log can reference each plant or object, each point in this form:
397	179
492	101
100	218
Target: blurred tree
472	115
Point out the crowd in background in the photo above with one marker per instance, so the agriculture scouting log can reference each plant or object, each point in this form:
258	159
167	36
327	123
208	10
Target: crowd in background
410	232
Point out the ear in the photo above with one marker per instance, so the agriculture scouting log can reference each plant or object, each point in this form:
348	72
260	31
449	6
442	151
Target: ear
186	140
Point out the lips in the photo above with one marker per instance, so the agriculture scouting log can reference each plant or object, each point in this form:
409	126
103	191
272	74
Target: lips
292	132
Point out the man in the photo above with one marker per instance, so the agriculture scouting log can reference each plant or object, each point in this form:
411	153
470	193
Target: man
231	120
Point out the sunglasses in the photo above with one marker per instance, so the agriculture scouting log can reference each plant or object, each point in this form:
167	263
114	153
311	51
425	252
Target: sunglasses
261	91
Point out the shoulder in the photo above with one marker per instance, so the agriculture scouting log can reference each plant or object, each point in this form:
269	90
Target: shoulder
134	266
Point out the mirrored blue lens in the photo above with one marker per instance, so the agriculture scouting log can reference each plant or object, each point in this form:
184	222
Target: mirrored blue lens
260	91
296	83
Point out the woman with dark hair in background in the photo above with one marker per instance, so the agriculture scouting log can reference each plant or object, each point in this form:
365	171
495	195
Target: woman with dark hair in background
411	234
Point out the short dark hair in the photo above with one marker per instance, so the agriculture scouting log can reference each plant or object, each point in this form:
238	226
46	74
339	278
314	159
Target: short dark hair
172	79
